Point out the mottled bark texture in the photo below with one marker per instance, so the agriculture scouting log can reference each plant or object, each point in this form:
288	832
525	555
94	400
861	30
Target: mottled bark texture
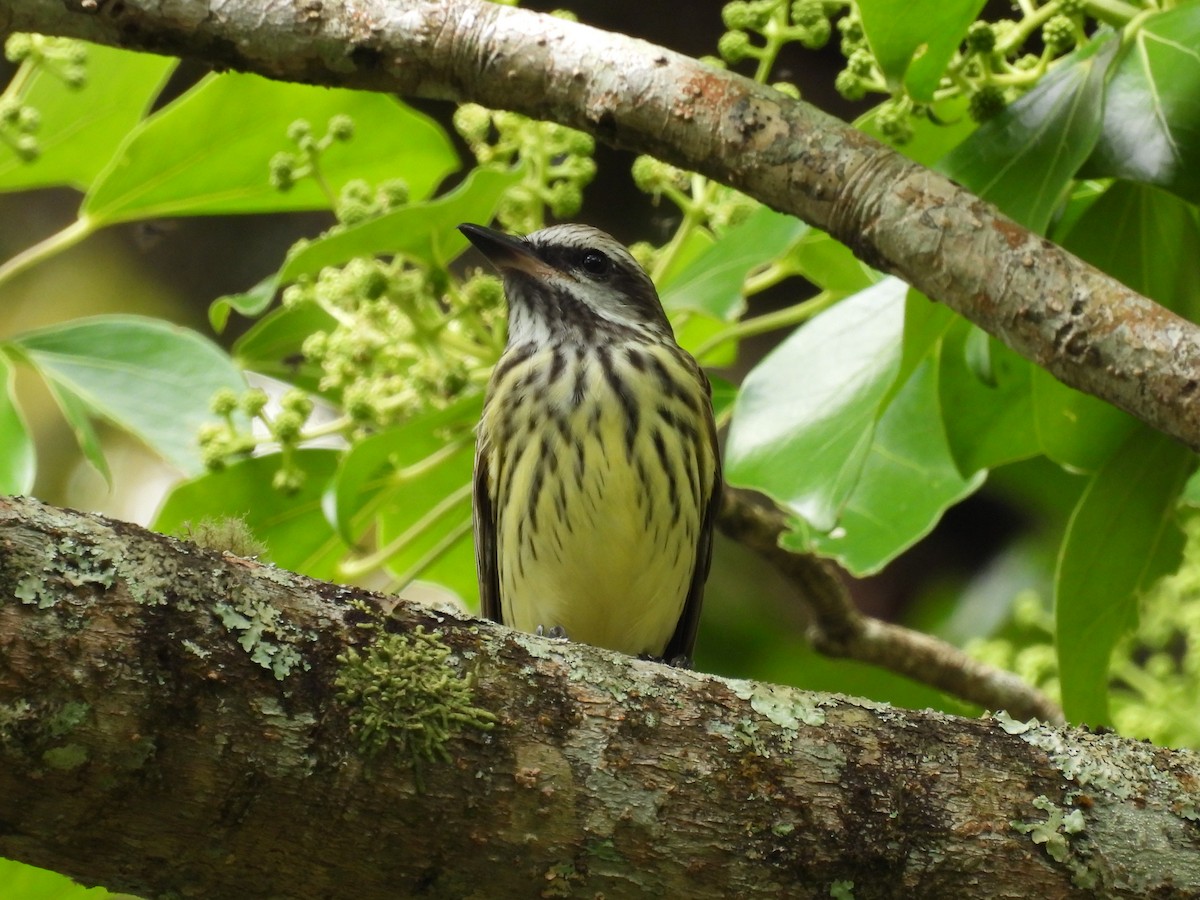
173	720
1086	328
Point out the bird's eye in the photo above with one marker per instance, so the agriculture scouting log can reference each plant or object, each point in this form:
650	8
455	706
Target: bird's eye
595	263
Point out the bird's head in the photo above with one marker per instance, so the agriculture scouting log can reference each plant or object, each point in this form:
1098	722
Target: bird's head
571	280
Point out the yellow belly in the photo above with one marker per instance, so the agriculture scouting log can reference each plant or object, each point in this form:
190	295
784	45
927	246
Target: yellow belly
590	535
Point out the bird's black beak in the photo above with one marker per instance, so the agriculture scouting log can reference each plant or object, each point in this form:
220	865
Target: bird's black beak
505	252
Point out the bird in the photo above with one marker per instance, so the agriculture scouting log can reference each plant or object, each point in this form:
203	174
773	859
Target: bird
597	472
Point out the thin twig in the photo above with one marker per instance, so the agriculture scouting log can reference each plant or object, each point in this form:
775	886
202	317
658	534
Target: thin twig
839	629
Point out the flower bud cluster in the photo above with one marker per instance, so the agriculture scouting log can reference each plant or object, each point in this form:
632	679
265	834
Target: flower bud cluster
557	162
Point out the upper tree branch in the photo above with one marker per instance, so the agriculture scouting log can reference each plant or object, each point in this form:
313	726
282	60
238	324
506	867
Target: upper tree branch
171	722
1086	328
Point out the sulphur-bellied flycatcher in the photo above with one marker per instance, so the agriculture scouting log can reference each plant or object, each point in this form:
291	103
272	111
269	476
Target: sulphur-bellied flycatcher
597	476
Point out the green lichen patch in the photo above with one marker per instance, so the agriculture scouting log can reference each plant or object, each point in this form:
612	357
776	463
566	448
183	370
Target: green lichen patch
66	757
784	707
72	562
403	695
264	633
15	715
1056	833
69	717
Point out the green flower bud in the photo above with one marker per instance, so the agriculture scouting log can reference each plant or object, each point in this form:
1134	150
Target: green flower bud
738	16
18	47
27	147
981	38
254	401
286	426
394	193
565	200
75	53
299	131
816	36
647	174
288	480
224	402
484	292
29	119
645	253
734	46
808	13
281	171
298	402
579	143
986	103
341	127
74	77
850	85
1058	34
861	63
473	122
787	89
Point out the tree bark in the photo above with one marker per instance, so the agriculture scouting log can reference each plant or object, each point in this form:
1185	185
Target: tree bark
176	720
1083	326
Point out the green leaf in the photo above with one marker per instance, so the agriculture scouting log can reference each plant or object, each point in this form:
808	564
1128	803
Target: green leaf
694	331
724	393
988	422
1151	130
272	346
803	421
383	468
251	303
1147	239
22	882
829	264
18	458
925	322
208	151
696	241
1024	159
78	415
712	282
1122	536
1075	429
414	482
292	525
908	479
82	128
914	40
433	515
153	379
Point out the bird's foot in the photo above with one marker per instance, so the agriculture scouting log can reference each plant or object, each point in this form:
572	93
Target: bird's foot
557	632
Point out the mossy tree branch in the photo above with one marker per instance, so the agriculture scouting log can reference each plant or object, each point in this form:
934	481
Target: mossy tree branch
175	720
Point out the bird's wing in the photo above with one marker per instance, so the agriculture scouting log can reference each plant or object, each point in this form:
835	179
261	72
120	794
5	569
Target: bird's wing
682	642
484	516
